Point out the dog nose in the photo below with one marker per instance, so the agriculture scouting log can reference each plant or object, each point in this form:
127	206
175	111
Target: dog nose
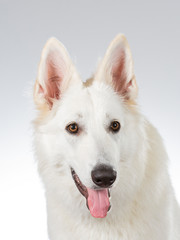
103	175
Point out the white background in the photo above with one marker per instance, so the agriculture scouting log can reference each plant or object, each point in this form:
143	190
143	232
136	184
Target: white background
86	28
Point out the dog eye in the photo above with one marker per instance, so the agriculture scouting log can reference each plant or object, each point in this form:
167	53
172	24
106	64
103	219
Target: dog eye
115	126
72	128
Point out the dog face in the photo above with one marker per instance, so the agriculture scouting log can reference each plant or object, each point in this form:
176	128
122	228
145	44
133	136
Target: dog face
89	135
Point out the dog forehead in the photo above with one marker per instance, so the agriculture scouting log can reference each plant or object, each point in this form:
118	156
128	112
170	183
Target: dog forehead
96	100
103	97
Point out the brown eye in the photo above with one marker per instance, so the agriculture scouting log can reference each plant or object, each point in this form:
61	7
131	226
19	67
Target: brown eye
115	126
72	128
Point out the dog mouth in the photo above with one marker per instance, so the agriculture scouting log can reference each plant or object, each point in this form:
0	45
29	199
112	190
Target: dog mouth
97	200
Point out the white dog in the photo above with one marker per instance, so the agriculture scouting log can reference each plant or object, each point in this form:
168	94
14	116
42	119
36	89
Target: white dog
103	164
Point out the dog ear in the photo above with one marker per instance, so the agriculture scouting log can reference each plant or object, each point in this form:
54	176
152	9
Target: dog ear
117	68
54	74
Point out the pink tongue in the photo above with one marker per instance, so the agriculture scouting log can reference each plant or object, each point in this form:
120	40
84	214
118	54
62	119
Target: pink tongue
98	202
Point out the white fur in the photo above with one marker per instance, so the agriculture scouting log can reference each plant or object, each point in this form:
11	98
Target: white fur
142	199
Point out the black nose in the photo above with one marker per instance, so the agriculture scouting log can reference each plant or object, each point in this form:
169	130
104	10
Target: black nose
103	175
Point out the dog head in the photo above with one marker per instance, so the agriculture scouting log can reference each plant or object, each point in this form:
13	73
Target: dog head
89	136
